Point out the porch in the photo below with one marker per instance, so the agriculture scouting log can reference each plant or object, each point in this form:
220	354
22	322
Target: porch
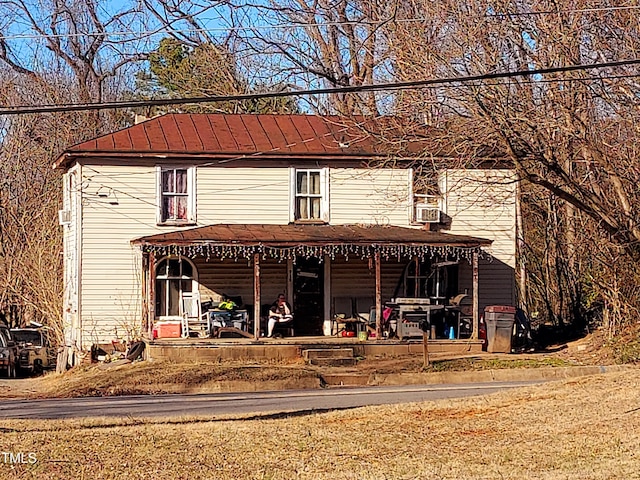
329	273
292	348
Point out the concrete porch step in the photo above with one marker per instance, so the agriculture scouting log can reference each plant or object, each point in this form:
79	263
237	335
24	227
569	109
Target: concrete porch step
333	361
316	353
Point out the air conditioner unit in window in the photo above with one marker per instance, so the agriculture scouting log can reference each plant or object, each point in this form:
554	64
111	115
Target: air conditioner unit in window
427	214
64	217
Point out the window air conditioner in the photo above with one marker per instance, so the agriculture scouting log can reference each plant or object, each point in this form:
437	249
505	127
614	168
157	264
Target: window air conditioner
427	214
64	217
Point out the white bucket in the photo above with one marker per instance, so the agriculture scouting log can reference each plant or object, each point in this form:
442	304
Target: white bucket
327	328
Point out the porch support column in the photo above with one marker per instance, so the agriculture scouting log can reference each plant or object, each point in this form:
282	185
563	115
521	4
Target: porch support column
289	292
326	291
151	294
256	296
144	286
378	298
476	316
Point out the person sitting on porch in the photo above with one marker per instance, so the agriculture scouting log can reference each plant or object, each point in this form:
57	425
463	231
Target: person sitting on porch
280	312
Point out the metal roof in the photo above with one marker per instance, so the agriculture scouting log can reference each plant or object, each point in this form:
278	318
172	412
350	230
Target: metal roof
293	240
297	234
237	135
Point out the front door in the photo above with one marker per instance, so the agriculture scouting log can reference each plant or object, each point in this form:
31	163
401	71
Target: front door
308	296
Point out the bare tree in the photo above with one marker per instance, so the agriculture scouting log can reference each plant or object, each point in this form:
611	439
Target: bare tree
65	53
328	43
76	37
573	134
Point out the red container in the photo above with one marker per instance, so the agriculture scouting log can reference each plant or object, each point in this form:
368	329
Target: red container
168	329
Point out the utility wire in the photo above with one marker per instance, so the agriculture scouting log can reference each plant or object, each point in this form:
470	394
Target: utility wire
23	109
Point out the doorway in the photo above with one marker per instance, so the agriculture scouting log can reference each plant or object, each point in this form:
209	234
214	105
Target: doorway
308	297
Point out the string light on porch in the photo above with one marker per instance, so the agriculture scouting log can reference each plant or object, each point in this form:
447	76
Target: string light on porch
284	253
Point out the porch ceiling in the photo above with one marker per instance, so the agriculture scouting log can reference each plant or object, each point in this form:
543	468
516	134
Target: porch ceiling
288	241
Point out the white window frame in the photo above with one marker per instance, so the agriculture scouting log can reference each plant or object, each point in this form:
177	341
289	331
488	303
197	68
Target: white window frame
191	195
194	286
324	194
439	201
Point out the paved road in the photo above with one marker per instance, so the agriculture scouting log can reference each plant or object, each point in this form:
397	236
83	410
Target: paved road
257	403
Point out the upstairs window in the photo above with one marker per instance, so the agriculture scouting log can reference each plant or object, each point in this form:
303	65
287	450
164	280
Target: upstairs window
426	196
176	195
310	201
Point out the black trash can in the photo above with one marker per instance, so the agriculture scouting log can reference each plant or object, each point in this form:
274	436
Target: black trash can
499	320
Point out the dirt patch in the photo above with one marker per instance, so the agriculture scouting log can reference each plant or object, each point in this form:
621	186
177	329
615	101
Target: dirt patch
592	349
167	377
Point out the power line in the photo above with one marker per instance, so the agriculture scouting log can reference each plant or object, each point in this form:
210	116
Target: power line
287	26
20	110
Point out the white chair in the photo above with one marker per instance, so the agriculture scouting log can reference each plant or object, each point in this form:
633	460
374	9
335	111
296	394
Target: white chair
193	320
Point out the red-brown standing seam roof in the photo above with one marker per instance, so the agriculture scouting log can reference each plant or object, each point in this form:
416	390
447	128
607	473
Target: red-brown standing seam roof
227	134
293	234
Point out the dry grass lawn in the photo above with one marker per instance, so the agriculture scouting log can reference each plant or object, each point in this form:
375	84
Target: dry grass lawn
585	428
142	378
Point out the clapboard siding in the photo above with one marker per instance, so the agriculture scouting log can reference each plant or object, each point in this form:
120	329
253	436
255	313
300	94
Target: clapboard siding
111	267
119	204
217	278
354	278
482	203
379	196
243	195
495	283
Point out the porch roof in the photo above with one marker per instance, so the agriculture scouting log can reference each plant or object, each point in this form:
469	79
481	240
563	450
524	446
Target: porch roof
289	241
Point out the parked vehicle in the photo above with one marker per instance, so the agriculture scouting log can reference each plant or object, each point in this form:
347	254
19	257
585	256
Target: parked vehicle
8	352
34	353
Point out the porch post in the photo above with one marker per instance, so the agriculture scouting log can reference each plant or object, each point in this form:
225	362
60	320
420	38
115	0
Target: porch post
151	310
289	291
144	287
378	298
256	296
326	292
476	317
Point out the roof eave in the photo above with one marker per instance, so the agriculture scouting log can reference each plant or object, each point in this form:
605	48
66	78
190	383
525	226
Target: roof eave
469	242
67	158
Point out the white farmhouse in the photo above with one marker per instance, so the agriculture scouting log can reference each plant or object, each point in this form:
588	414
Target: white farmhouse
203	206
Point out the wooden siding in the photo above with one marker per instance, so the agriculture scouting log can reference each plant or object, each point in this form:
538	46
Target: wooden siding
379	196
119	204
354	278
235	278
243	195
482	203
111	276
